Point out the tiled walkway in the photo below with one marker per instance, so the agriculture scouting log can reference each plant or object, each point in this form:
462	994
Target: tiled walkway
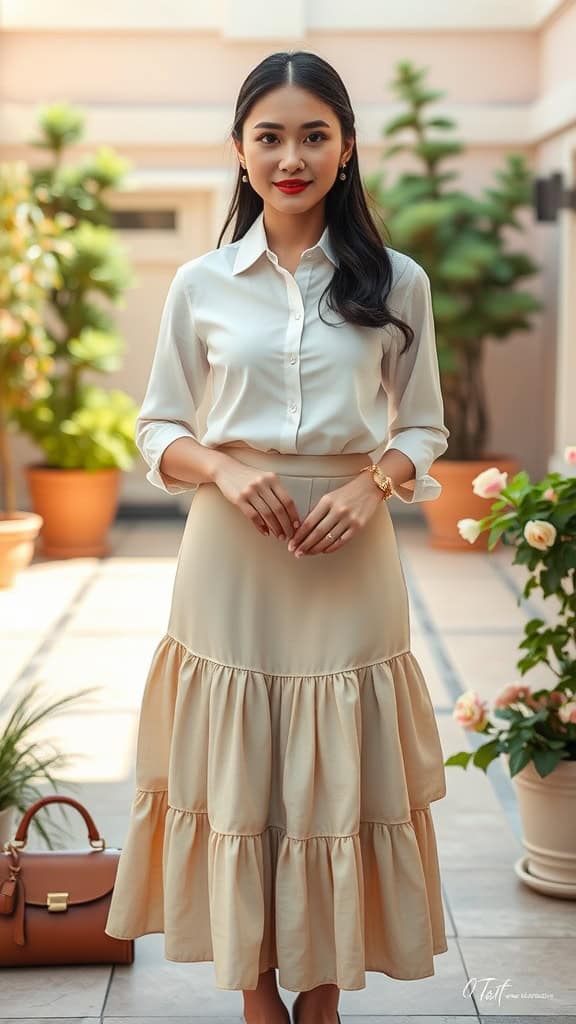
87	622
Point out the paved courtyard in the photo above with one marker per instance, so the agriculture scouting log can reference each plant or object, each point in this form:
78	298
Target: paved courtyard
86	622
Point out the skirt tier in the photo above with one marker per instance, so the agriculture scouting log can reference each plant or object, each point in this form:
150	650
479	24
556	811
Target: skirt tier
287	757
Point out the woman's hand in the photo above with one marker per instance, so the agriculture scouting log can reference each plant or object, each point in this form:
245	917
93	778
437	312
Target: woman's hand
341	512
260	497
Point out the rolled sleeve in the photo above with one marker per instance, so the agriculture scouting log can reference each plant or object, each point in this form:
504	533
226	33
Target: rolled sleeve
175	387
412	381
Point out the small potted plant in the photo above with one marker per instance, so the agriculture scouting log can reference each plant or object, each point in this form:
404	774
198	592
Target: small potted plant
25	762
28	243
537	734
466	245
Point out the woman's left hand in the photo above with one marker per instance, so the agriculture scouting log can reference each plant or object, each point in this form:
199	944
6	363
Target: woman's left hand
342	513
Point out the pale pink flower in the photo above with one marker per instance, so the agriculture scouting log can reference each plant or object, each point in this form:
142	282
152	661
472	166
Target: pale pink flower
570	454
540	534
489	483
469	529
550	494
470	711
510	694
567	713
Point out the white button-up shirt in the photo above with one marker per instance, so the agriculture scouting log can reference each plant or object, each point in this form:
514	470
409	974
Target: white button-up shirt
283	380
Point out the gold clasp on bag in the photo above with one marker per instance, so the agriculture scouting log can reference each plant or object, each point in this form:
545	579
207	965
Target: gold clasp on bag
57	900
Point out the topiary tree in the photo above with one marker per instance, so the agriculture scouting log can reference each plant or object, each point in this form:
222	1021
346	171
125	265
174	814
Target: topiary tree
77	424
464	244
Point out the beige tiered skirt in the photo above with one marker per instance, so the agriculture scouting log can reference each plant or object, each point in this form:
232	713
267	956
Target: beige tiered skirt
287	756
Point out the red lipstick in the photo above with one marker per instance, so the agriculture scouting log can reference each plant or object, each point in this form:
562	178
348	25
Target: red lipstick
291	186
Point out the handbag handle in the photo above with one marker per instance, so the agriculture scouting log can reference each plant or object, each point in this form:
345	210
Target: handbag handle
21	837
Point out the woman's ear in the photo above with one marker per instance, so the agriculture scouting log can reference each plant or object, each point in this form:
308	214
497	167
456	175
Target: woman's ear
347	154
239	153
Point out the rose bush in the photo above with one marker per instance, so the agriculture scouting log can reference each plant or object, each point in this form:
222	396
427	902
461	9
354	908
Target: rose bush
539	519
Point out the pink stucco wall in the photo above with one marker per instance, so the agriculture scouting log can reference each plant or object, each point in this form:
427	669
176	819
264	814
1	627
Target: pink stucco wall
492	69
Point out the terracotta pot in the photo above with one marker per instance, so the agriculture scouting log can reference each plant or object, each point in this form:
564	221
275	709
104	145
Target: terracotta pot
548	814
78	507
18	533
7	824
458	500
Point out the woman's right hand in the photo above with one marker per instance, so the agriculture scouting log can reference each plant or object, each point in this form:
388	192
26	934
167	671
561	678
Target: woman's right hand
260	497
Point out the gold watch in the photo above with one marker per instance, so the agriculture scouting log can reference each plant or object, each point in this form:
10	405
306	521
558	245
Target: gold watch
381	481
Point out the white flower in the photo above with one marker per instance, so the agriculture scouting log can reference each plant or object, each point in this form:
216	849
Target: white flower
567	712
540	534
469	529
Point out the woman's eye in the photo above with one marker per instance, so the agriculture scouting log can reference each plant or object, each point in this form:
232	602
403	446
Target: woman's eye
271	135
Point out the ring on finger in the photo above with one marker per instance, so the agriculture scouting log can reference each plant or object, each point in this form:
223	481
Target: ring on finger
343	537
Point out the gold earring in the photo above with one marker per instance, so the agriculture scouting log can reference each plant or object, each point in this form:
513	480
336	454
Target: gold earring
244	176
342	174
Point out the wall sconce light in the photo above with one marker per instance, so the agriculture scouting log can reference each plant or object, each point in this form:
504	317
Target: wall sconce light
550	196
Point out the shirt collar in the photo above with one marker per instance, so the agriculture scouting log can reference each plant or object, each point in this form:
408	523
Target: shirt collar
254	242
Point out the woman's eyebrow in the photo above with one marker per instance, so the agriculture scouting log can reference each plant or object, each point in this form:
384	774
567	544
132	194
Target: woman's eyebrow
307	124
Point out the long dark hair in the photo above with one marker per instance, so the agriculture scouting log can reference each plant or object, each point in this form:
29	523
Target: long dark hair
361	283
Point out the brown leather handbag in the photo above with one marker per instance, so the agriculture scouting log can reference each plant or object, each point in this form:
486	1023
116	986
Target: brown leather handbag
54	903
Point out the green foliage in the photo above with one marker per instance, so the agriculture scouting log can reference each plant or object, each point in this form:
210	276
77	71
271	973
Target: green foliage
98	433
464	244
539	521
24	762
77	425
29	243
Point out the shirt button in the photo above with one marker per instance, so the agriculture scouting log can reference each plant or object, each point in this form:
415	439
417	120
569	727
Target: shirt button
293	358
293	406
297	315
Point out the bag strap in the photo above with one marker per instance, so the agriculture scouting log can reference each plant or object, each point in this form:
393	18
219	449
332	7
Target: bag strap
21	837
13	891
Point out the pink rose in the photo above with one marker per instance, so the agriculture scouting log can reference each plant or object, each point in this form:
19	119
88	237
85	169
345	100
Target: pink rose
570	454
510	694
489	483
470	711
550	494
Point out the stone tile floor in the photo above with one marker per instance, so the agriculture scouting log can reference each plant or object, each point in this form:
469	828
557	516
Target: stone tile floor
84	622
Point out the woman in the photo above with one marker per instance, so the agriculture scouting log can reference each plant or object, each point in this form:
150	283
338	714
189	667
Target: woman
287	749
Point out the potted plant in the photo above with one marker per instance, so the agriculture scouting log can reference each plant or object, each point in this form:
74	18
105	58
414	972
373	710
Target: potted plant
85	432
537	736
24	763
464	244
28	244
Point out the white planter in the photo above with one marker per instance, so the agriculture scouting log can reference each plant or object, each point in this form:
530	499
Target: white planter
548	814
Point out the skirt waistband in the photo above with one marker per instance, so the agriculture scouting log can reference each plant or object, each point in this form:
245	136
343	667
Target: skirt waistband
296	464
